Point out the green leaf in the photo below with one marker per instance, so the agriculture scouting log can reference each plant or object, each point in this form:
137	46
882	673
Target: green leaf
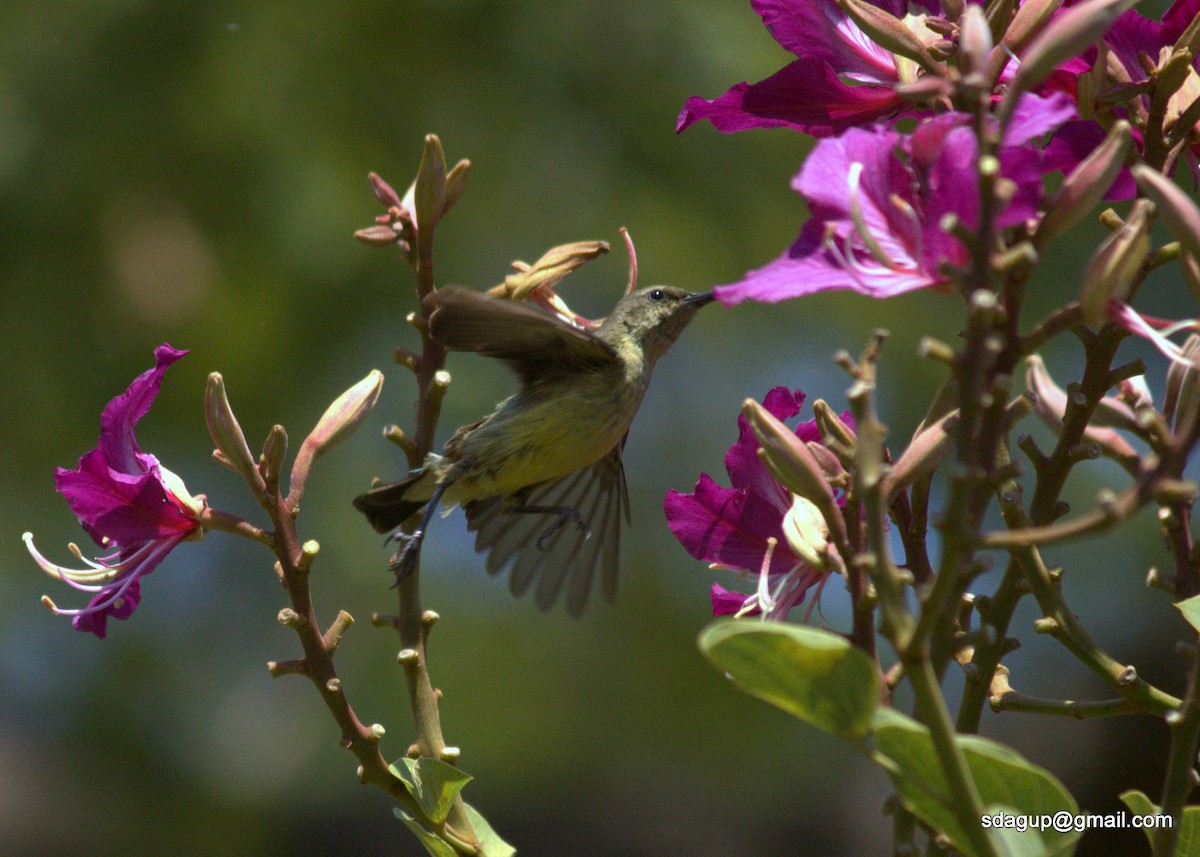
1001	775
1010	842
434	784
815	675
1188	844
433	843
1190	608
490	844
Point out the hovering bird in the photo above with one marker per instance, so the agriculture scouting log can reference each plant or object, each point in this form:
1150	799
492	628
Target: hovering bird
549	455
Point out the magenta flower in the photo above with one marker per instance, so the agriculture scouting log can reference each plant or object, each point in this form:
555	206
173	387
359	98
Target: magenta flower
129	504
1131	37
839	79
731	527
878	199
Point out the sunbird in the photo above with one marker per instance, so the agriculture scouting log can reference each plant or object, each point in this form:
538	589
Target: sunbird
548	455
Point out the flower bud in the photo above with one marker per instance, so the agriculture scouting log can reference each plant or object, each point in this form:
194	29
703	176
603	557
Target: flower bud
548	271
890	33
224	429
456	183
1115	264
833	428
788	457
1030	19
1051	405
1068	34
274	451
1171	75
807	533
429	195
1176	208
975	39
1183	383
1083	189
387	197
924	453
377	236
342	418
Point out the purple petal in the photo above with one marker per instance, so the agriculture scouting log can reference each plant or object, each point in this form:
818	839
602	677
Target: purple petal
805	95
805	269
728	526
120	508
1036	115
117	442
820	30
726	602
745	468
96	621
1074	142
1177	18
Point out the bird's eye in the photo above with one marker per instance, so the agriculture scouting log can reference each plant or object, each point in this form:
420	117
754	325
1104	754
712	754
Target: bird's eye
657	295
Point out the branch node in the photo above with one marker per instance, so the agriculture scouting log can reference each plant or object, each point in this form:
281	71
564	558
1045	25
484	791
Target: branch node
278	668
288	616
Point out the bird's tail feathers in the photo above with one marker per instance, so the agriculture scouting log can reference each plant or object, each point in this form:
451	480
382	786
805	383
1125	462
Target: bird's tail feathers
389	506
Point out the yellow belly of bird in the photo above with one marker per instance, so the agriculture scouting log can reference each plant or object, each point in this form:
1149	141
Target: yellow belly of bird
537	440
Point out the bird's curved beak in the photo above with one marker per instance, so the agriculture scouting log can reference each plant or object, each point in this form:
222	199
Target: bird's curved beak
698	299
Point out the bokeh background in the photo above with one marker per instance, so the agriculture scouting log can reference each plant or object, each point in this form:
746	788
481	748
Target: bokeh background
193	173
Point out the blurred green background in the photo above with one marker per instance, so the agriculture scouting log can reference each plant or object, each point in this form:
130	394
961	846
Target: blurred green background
193	173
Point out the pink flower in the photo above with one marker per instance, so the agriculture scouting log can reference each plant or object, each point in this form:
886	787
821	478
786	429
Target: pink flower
129	504
742	527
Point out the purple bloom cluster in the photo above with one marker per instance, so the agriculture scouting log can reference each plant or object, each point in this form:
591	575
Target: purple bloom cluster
878	196
887	202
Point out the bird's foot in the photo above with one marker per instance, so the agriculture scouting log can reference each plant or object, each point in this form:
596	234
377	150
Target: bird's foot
404	561
565	513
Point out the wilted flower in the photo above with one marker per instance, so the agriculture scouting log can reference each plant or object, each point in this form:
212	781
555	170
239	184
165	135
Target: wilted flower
129	504
878	199
754	524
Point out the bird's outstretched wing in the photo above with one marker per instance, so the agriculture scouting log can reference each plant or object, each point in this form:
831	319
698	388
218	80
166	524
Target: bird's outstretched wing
532	342
569	557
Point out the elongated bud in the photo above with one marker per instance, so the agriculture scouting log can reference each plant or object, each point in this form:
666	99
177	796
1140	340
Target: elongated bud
383	191
974	40
788	457
224	429
1069	34
1116	264
456	183
1176	208
833	428
548	271
925	452
1030	19
1183	383
1170	76
429	196
342	418
1083	189
1050	402
274	451
889	32
807	533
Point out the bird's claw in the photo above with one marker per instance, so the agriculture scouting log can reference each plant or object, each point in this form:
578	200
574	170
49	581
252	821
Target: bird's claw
404	561
563	516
